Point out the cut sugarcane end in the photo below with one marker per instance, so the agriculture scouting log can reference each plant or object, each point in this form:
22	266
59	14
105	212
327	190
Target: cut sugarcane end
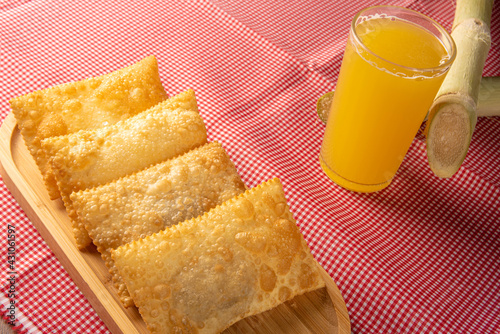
323	106
449	131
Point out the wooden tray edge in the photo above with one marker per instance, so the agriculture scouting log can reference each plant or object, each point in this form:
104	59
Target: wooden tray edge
338	302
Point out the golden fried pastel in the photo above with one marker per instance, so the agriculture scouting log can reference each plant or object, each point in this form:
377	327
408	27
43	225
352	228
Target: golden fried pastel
89	158
148	201
241	258
87	104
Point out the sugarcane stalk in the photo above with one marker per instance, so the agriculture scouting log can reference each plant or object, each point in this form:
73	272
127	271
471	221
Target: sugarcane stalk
453	115
489	97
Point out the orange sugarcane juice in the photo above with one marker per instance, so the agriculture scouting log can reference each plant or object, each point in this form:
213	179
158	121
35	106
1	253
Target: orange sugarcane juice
391	71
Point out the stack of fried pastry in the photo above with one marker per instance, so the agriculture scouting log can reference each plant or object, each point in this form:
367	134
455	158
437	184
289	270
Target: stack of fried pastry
182	237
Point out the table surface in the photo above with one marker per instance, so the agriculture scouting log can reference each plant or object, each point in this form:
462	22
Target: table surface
421	256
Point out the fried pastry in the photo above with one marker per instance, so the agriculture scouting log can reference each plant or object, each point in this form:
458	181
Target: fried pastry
87	104
89	158
241	258
148	201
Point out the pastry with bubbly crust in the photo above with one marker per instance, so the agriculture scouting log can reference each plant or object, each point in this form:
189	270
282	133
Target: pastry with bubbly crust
86	104
148	201
89	158
241	258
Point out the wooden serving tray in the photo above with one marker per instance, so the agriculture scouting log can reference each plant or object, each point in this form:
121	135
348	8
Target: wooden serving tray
320	311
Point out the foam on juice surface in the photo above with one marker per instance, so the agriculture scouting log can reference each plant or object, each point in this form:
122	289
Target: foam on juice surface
384	35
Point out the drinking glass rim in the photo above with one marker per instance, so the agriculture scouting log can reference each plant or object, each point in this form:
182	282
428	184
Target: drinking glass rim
441	67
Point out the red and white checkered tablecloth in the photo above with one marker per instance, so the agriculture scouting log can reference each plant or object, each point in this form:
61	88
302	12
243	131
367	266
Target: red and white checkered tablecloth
422	256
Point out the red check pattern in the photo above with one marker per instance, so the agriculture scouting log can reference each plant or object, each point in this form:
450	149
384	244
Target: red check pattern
422	256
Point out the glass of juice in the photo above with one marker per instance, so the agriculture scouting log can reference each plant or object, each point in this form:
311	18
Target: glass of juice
394	63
